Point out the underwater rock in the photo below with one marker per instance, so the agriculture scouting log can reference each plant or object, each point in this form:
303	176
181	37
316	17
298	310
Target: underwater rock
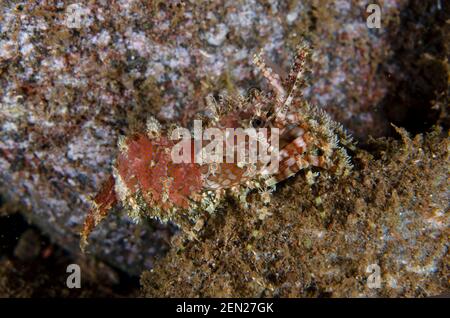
389	216
68	92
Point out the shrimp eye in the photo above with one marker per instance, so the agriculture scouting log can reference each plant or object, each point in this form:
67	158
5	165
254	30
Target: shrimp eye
257	122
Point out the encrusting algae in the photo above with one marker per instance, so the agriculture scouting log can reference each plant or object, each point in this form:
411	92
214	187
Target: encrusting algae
391	211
